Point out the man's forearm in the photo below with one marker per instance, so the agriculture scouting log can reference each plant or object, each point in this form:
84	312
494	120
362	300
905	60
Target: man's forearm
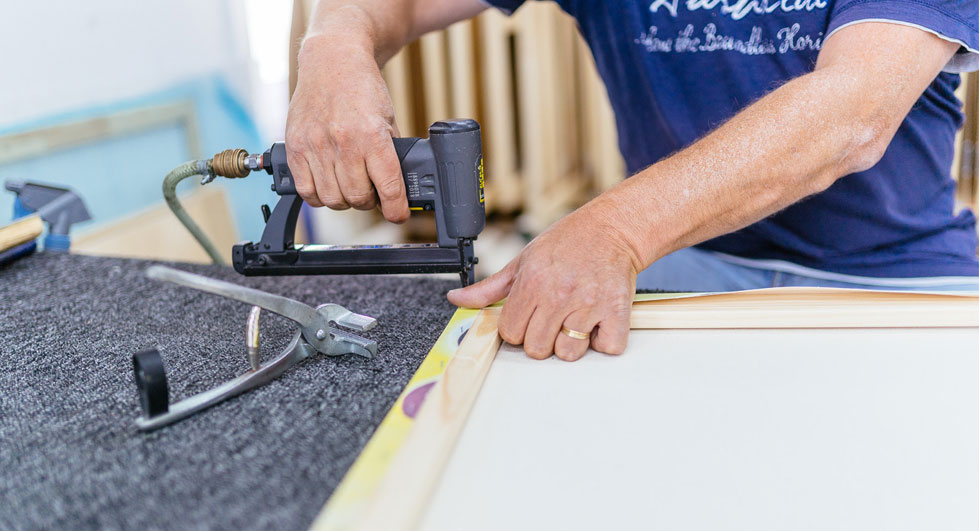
794	142
379	28
382	27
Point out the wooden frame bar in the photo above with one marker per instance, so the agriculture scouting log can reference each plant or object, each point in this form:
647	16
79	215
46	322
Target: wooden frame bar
402	496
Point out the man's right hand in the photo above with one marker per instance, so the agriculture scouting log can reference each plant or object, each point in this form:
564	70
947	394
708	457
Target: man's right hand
339	131
341	121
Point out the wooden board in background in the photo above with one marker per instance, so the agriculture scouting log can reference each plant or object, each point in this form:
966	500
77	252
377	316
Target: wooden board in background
156	234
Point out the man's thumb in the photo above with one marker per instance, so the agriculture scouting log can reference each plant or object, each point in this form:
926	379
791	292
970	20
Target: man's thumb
485	292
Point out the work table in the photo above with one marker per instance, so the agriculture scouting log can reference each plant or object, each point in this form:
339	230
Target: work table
70	452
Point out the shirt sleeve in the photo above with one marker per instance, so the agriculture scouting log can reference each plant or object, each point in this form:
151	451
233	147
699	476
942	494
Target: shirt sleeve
507	6
953	20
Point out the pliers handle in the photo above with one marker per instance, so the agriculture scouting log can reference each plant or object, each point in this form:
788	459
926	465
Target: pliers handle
315	322
316	334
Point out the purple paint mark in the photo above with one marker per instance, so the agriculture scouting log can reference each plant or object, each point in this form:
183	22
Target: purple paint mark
413	402
463	334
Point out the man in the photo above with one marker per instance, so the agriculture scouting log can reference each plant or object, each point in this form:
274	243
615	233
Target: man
793	142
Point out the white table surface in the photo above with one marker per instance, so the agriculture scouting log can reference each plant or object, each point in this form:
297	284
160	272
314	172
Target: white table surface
726	429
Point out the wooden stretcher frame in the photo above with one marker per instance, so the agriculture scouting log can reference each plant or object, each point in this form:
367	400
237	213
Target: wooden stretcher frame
401	498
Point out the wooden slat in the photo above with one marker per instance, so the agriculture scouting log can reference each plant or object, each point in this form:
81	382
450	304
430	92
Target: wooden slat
462	69
567	153
809	308
436	77
21	231
968	163
499	120
536	89
396	75
404	492
156	234
44	140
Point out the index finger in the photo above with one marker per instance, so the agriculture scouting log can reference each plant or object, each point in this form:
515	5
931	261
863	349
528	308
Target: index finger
302	175
384	170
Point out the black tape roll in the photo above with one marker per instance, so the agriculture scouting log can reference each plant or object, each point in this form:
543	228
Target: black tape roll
151	382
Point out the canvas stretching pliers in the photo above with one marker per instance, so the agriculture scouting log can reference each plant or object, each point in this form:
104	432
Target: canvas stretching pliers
317	334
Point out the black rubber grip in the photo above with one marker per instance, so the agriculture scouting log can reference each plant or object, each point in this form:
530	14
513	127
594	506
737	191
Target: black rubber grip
151	382
403	145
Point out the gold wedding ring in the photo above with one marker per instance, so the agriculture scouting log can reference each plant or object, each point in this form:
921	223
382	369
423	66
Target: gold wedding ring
574	334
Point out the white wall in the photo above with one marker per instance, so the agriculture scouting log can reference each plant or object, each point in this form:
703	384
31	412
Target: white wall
63	55
269	23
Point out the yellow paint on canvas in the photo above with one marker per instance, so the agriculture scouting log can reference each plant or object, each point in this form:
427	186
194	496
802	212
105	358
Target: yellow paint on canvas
351	496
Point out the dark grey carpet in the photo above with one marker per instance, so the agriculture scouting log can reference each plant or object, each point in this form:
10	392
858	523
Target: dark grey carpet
70	456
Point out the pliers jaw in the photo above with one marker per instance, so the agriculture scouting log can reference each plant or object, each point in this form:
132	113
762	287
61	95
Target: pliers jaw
331	340
320	332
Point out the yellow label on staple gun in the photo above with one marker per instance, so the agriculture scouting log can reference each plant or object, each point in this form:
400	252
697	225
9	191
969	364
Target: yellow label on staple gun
482	197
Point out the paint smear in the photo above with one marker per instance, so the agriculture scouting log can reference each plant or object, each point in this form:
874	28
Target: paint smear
413	402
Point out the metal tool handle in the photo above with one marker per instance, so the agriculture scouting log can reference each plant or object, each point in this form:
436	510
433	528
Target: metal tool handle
317	335
297	351
315	322
295	310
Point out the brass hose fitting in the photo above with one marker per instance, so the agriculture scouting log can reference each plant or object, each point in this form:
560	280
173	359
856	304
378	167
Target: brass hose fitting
230	163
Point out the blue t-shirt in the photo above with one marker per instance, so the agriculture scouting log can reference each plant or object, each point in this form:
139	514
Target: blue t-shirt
676	69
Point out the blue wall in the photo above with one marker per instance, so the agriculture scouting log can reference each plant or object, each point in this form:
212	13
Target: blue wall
123	175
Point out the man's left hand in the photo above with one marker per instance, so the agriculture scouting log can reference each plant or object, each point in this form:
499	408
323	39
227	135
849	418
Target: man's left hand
579	274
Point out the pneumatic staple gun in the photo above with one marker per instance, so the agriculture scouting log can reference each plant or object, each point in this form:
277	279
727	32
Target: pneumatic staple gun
443	173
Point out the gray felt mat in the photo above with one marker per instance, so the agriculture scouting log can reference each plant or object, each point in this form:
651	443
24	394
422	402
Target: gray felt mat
70	456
